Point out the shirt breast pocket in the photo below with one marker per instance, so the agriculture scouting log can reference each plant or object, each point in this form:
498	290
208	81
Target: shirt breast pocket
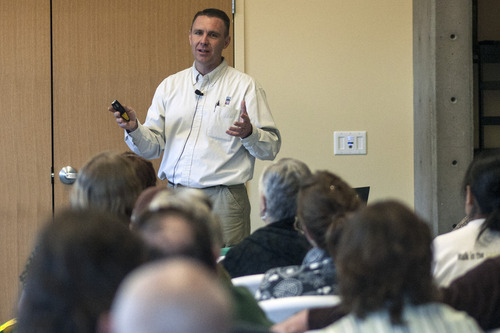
219	122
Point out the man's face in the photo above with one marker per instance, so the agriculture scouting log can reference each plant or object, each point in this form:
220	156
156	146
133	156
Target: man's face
207	39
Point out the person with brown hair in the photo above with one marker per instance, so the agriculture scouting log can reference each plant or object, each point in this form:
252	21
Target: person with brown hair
144	169
181	223
82	256
324	201
108	182
172	225
383	260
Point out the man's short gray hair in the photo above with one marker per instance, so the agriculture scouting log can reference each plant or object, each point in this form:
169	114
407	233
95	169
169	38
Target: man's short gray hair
279	184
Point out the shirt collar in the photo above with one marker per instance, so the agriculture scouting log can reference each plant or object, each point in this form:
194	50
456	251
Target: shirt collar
477	221
211	77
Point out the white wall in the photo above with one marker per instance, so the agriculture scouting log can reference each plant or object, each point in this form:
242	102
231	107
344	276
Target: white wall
332	65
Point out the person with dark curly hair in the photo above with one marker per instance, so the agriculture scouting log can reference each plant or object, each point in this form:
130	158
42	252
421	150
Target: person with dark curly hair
383	260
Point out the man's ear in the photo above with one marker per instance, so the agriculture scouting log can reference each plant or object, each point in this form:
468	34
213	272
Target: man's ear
227	41
263	205
469	198
469	202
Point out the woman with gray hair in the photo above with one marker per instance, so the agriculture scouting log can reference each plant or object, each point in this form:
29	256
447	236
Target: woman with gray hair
278	243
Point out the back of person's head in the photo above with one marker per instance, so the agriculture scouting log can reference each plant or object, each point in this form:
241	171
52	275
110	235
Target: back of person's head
108	181
324	201
142	203
179	223
143	168
213	12
175	296
81	257
483	178
198	203
279	184
383	260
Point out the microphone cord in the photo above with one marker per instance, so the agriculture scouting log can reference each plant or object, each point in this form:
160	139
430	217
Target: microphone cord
189	134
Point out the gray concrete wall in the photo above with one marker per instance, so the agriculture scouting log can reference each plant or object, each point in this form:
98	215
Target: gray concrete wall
443	108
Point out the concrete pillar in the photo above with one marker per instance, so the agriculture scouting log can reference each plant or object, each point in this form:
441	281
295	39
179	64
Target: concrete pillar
443	108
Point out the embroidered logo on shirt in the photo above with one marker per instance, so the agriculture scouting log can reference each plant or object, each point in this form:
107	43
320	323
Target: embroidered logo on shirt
228	100
470	256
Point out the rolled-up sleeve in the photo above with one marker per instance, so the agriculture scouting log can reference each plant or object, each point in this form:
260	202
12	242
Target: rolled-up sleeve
265	141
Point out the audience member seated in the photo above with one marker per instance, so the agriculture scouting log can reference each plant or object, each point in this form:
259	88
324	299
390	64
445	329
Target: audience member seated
324	200
142	203
143	168
181	223
82	256
109	182
278	243
383	263
477	292
175	296
171	226
461	250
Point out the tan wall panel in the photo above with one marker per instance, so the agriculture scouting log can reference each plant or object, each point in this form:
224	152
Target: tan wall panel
25	161
105	50
102	50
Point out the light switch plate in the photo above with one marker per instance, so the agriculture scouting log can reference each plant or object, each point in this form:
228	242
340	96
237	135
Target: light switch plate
349	143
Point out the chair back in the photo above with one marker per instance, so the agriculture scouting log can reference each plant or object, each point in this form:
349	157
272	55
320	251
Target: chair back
251	282
279	309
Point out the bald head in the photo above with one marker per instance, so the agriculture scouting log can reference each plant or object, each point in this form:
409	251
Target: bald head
173	296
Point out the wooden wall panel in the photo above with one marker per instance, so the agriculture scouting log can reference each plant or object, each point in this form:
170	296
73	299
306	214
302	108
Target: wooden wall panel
102	50
106	50
25	134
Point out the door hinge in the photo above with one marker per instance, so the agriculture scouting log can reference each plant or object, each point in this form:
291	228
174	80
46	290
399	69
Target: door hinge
233	6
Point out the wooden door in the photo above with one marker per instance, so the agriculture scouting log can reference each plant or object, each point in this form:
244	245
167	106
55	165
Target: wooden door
101	50
106	50
25	129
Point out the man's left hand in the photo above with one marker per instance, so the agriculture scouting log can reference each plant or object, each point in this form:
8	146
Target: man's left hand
242	128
